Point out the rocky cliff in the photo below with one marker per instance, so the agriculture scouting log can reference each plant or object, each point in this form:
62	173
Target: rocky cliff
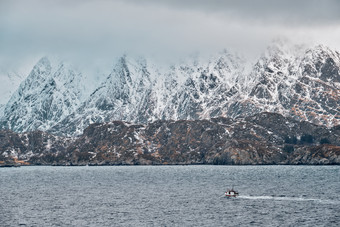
264	138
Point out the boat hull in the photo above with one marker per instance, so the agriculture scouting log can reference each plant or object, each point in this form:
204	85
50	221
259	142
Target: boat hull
231	193
230	196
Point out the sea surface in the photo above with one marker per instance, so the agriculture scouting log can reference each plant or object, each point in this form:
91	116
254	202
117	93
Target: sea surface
170	196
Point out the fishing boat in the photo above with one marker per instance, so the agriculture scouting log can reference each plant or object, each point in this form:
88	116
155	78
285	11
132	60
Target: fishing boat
231	193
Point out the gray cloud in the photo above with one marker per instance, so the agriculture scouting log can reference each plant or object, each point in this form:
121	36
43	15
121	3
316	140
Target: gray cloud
298	12
90	30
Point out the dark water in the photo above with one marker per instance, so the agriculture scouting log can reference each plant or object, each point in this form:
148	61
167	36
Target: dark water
170	196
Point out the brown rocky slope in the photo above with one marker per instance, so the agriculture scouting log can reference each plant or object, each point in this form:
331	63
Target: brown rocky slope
265	138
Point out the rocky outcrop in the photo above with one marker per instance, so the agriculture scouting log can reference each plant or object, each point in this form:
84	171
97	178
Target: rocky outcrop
35	147
265	138
316	155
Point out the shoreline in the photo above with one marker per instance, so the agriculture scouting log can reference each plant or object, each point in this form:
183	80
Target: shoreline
89	165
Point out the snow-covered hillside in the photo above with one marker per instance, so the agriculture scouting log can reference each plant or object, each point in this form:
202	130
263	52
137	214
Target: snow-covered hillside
46	96
292	80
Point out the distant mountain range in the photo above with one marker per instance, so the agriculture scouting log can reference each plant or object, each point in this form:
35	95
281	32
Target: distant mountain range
302	83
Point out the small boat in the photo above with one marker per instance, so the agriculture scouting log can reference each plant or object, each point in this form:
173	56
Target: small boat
231	193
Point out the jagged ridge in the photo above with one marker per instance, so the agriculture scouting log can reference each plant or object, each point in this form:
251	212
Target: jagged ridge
297	82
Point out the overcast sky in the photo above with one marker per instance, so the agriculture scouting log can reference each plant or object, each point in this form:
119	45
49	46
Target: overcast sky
101	29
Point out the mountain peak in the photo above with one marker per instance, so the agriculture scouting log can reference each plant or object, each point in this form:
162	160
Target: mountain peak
321	51
44	61
321	62
286	80
42	68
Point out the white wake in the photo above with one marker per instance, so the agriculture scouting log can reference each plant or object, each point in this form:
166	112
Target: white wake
285	198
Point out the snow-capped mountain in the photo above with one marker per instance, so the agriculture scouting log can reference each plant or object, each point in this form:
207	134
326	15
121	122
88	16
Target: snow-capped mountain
124	95
301	84
291	80
46	96
137	91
